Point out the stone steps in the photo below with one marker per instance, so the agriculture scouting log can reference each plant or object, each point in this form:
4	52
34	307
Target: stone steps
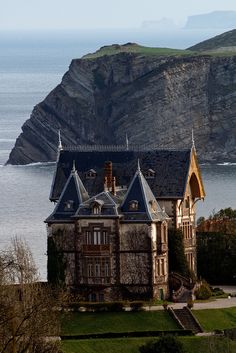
187	320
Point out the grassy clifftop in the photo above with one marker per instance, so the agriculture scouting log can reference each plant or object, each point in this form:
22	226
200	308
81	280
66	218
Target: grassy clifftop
135	48
223	43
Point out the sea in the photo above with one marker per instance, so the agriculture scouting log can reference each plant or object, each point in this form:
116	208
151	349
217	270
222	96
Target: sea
31	65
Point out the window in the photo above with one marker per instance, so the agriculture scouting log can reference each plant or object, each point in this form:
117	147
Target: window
161	267
90	270
164	233
96	209
187	203
91	174
96	236
187	230
97	270
190	260
149	174
133	205
69	205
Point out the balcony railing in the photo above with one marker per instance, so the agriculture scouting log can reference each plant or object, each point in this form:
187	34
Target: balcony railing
96	249
189	242
96	280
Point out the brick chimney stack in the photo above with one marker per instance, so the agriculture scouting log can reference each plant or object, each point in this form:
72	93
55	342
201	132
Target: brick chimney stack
105	184
108	174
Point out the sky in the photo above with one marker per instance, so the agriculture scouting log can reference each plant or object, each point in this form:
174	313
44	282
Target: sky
89	14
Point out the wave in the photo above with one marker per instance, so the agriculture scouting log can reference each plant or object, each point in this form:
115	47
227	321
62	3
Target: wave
36	164
226	163
7	140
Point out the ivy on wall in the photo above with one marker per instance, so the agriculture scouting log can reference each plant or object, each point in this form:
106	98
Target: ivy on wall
177	259
56	264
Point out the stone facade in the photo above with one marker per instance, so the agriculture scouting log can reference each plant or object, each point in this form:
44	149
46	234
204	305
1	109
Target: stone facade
114	245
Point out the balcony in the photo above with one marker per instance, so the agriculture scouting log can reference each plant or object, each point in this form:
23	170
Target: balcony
92	249
105	281
162	248
162	279
189	242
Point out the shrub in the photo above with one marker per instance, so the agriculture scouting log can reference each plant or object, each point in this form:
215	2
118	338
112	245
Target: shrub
190	303
166	344
136	306
165	304
203	292
217	291
98	307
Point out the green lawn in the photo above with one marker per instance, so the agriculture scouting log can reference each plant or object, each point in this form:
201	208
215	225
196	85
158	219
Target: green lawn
82	323
216	319
131	345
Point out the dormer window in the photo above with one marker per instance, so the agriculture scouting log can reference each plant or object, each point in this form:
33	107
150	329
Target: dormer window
96	206
133	205
153	204
69	205
91	174
150	174
96	209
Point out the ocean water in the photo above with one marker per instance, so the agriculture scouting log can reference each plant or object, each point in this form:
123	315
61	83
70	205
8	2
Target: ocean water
31	65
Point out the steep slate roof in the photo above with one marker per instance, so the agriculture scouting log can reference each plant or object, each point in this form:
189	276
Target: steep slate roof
171	169
139	191
74	192
108	206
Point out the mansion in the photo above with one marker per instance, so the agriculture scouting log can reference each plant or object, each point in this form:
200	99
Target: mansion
108	233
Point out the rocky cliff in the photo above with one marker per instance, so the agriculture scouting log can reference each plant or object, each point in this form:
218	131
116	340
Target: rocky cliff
154	99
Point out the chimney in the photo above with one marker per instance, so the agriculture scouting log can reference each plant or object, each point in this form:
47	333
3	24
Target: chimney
113	188
108	174
105	184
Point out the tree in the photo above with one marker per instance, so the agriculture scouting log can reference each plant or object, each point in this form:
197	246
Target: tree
177	259
26	305
216	257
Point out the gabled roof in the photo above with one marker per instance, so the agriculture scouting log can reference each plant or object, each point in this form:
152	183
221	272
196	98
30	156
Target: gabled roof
73	194
139	193
108	206
170	166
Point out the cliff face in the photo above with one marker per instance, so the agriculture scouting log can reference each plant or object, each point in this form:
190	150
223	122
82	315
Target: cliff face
152	99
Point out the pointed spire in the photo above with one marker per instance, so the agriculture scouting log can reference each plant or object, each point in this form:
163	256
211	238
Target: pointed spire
193	141
73	168
127	142
60	147
139	170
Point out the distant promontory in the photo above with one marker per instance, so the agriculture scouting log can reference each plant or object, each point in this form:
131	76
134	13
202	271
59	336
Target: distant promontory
216	19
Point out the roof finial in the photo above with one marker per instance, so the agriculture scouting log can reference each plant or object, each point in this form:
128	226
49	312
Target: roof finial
60	147
139	170
73	168
127	142
193	141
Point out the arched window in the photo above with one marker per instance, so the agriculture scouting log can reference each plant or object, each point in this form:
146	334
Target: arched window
150	174
69	205
96	209
133	205
91	174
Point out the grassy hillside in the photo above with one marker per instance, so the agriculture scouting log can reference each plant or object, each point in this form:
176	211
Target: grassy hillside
216	319
85	323
223	43
131	345
135	48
